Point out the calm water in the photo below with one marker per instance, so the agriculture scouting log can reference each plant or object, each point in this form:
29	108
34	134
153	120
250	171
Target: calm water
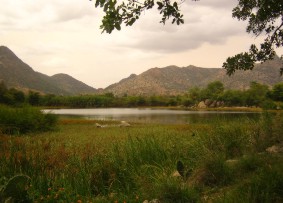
146	115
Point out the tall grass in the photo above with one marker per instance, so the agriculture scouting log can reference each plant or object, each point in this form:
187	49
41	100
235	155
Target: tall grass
25	119
80	162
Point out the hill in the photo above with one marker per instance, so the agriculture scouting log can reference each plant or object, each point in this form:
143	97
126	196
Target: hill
170	80
174	80
71	85
15	73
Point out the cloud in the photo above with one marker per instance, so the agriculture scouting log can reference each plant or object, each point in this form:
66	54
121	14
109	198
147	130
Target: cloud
63	36
26	15
215	4
204	23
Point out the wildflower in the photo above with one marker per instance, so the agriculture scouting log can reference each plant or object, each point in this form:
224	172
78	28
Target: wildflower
79	201
49	189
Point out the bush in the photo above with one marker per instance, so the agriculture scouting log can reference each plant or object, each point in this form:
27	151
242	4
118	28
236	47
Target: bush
24	120
268	104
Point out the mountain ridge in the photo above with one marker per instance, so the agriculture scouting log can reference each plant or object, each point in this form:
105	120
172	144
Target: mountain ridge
16	73
173	80
169	80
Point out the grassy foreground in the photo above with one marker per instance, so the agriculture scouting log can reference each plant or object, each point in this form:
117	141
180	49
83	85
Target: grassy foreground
216	161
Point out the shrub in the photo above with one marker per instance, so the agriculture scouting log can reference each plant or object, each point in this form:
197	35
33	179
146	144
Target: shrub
24	120
268	104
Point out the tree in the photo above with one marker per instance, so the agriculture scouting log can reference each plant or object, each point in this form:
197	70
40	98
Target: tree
256	94
214	90
277	92
19	96
265	17
234	98
3	91
34	98
195	94
128	12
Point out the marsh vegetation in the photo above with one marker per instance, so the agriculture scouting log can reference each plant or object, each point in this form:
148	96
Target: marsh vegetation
222	160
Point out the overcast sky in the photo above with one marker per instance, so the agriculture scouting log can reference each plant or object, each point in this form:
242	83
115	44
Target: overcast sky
64	37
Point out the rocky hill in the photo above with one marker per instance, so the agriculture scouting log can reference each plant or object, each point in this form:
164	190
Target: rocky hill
170	80
174	80
15	73
71	85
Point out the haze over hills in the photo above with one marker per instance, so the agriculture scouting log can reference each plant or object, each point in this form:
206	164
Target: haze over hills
174	80
170	80
15	73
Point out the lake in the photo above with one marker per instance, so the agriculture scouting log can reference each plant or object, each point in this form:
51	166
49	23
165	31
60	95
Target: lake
147	115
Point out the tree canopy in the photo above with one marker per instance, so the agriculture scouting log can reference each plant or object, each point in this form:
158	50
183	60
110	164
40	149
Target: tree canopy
128	12
265	17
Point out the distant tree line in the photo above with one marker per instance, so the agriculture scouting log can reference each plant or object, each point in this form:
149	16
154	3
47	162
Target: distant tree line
259	95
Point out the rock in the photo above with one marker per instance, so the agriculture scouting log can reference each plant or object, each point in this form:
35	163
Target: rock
207	102
99	125
232	162
152	201
218	103
202	105
124	124
176	174
213	104
275	149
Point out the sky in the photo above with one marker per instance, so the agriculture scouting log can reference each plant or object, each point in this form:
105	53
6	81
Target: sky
64	37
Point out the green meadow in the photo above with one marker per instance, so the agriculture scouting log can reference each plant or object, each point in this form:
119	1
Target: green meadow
218	160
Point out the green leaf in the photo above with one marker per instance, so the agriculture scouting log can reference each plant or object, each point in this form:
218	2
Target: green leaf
160	5
97	3
118	26
106	7
175	5
131	22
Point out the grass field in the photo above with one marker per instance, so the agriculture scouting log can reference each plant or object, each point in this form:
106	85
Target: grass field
216	161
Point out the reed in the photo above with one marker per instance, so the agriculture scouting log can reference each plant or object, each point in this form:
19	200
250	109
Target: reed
82	163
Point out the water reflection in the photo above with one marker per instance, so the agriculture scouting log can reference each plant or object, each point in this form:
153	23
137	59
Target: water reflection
152	115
